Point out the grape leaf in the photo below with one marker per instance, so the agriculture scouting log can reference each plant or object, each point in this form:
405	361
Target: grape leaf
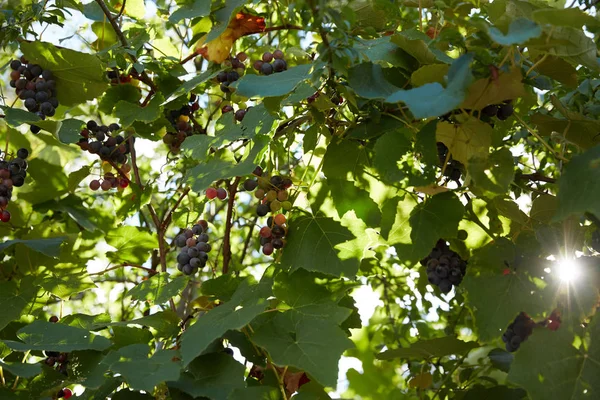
16	117
21	369
345	159
431	348
14	299
196	8
512	294
311	344
79	76
256	393
465	140
483	92
114	94
247	302
548	366
42	335
519	31
273	85
49	247
318	243
165	322
158	289
493	175
389	149
133	244
214	376
478	392
573	17
579	185
569	43
67	284
87	322
437	218
128	112
370	81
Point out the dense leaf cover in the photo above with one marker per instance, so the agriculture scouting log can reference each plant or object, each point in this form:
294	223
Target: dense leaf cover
312	199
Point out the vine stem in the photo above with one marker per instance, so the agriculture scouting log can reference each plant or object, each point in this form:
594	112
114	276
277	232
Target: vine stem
149	270
169	216
134	165
247	241
228	223
538	137
537	177
458	364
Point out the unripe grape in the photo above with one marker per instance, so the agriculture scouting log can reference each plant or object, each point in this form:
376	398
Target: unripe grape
282	195
259	194
279	219
271	195
211	193
275	205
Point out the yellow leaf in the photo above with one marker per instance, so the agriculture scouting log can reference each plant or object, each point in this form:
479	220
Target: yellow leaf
431	189
421	381
465	140
483	92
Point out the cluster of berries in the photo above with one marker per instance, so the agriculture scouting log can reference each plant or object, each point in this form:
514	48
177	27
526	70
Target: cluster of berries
234	68
180	121
518	332
12	174
271	191
55	358
454	169
239	114
36	87
265	67
501	111
445	268
219	193
273	235
194	248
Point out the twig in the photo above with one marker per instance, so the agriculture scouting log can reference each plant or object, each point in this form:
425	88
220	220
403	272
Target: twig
122	10
136	170
449	375
149	270
167	219
537	177
247	241
228	222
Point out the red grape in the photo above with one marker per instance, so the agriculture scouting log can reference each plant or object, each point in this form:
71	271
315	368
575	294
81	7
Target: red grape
211	193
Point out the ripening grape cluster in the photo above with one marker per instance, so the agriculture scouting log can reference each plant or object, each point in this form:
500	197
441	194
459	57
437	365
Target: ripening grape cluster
445	268
501	111
518	331
453	168
273	235
36	87
112	147
234	68
180	121
266	67
271	191
12	174
194	248
55	358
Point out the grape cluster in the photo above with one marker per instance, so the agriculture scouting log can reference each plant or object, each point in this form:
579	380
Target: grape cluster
36	87
180	121
234	69
112	147
518	331
265	67
12	174
271	191
501	111
194	248
453	168
219	193
55	358
273	235
444	267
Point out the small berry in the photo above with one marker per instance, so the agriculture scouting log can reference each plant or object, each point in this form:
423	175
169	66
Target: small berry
267	57
268	249
266	69
278	54
5	216
239	114
257	65
53	319
279	219
240	56
211	193
265	232
221	193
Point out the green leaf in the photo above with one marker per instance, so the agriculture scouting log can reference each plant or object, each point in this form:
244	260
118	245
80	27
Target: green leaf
142	372
572	17
494	174
437	218
222	18
197	8
429	74
256	393
14	299
321	244
559	69
395	227
389	150
345	159
222	287
166	323
416	47
114	94
158	289
579	185
87	322
21	369
273	85
79	76
247	302
16	117
49	247
128	113
501	359
369	81
580	130
519	31
190	85
312	345
66	285
76	177
543	208
432	99
133	244
471	138
41	335
569	43
478	392
214	376
562	373
432	348
512	294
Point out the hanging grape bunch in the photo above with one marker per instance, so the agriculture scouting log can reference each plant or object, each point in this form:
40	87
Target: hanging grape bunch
55	358
194	248
501	111
453	168
271	191
518	331
182	127
445	268
36	87
273	235
266	67
12	174
233	70
112	148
